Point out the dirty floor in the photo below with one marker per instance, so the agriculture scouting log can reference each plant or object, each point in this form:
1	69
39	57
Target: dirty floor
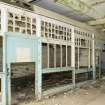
89	94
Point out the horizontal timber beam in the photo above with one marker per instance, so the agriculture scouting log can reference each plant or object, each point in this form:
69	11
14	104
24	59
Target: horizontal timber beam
97	22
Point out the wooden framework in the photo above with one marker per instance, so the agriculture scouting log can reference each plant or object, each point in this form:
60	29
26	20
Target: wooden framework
49	35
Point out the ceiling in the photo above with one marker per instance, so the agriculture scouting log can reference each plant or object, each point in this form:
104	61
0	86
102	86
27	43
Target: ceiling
95	12
94	15
61	9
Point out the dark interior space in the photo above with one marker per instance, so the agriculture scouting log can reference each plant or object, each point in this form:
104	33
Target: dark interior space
53	80
22	82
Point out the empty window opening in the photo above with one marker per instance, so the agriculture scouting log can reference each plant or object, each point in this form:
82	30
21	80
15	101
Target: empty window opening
69	56
81	77
63	55
51	56
44	55
53	80
22	82
58	56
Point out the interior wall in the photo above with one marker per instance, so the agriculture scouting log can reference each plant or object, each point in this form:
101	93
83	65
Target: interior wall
83	60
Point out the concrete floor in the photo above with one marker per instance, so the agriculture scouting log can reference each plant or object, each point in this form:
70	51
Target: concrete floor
92	94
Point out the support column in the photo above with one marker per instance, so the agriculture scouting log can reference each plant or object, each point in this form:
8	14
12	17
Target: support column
73	55
89	56
48	56
38	69
93	57
100	52
66	55
6	80
61	56
54	55
78	55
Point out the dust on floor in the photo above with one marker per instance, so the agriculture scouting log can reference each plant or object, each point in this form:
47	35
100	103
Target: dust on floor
89	94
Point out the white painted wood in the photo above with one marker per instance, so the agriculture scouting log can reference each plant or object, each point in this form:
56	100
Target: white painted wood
61	55
78	35
38	28
54	56
4	30
89	55
48	55
93	57
73	55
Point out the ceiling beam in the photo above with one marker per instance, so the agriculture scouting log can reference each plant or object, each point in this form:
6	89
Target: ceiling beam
98	2
97	22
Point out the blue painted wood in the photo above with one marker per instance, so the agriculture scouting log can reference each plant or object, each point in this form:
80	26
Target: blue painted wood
15	41
38	76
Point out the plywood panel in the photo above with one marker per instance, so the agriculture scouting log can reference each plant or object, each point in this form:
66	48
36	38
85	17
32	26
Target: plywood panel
58	56
76	57
44	55
63	56
83	59
51	56
69	56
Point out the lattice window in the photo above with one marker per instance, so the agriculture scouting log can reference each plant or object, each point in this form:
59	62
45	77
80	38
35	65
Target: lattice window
55	31
82	38
21	23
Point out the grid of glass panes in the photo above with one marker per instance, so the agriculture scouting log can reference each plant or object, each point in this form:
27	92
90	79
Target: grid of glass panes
82	38
55	31
21	23
0	20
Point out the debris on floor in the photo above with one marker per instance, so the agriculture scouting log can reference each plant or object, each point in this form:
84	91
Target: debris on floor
84	95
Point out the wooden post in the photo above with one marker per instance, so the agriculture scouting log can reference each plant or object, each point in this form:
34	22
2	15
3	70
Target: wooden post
93	57
38	70
73	55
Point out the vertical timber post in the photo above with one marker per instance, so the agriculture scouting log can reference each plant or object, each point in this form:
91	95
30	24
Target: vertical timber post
93	57
38	72
89	56
73	55
6	82
100	52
